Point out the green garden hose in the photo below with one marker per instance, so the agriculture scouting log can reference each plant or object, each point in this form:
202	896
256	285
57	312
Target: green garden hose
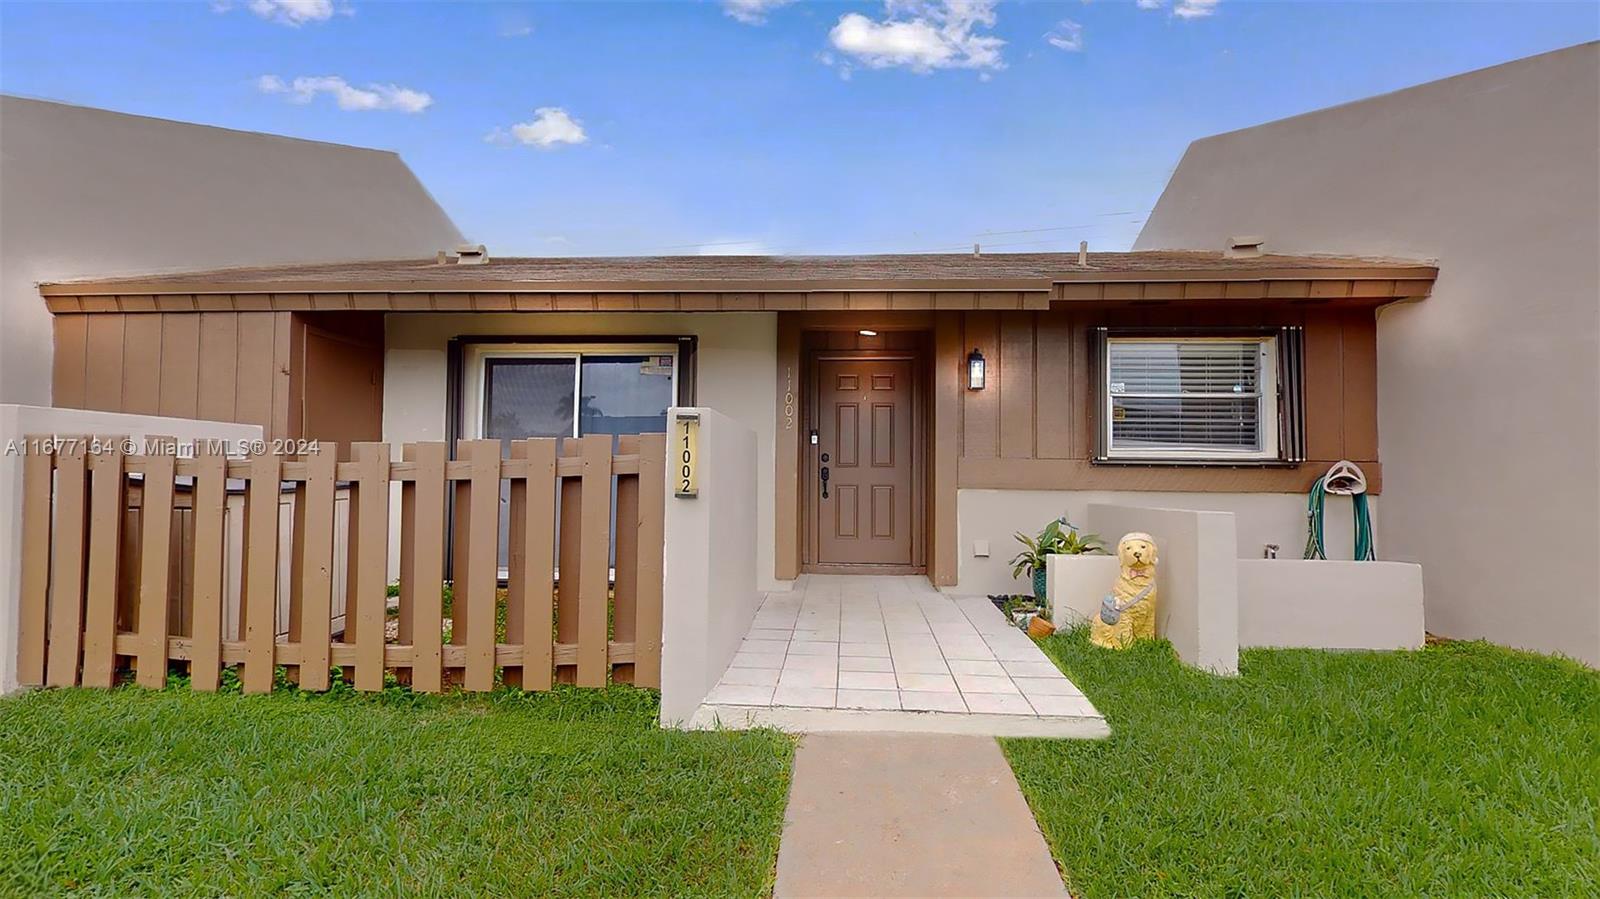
1316	500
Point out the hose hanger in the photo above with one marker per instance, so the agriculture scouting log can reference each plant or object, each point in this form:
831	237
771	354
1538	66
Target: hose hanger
1344	478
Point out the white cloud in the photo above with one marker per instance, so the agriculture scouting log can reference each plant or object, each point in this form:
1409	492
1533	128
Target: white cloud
515	24
292	13
1194	9
1068	36
922	35
752	12
347	95
551	127
1183	9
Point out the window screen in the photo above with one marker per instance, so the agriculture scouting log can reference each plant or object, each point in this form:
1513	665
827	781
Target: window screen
1190	398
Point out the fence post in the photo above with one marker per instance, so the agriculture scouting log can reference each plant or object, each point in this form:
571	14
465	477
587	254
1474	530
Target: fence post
530	604
258	599
155	545
652	527
66	576
368	590
311	568
478	511
594	555
107	505
210	495
37	477
422	563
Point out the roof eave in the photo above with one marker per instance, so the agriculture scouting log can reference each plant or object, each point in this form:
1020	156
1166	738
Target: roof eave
160	287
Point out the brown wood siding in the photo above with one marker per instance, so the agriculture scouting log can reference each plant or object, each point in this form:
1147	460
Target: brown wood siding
1033	425
285	371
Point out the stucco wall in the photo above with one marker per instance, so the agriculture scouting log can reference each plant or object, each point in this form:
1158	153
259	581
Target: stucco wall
736	366
709	594
1330	605
1197	578
1489	391
1262	518
1318	604
90	193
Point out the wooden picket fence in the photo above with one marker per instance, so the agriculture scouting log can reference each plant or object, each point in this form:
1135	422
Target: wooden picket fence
95	603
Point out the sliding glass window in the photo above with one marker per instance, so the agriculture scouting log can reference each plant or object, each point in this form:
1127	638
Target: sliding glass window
517	391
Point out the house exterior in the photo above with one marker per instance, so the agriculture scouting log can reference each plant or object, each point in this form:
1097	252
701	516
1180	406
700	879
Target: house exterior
93	192
1488	398
90	192
910	412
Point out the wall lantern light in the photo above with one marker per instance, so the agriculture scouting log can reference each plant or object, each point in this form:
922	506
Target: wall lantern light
975	370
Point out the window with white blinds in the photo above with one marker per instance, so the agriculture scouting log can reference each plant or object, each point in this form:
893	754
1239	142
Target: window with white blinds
1191	398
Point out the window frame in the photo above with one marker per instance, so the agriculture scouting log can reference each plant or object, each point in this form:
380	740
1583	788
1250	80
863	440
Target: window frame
1269	413
475	368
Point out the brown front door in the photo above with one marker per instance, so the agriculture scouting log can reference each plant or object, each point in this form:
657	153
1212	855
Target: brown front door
863	514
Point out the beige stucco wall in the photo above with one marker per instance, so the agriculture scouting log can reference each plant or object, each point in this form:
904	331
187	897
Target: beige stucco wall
709	580
1488	391
1330	605
1262	518
737	364
1321	604
87	193
1197	578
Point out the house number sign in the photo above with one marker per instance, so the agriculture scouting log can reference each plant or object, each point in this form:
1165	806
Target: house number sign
686	456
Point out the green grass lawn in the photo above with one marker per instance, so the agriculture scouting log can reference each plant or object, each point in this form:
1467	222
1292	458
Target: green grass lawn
576	792
1459	770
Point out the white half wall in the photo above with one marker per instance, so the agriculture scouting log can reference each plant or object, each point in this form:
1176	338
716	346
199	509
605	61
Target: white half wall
1075	584
19	422
1283	603
710	592
1197	578
1261	518
1330	605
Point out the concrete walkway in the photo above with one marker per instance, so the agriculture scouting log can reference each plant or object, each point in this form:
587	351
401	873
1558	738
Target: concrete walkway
892	654
909	815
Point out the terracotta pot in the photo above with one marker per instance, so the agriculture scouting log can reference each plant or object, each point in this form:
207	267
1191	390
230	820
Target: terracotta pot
1039	627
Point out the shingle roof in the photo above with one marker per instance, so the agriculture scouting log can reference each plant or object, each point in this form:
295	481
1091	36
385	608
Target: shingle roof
541	272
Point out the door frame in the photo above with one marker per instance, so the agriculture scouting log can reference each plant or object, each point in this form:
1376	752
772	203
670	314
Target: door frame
917	446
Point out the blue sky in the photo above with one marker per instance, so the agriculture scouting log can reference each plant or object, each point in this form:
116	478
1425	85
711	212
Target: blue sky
753	126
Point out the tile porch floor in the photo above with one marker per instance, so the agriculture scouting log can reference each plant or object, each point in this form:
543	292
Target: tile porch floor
893	654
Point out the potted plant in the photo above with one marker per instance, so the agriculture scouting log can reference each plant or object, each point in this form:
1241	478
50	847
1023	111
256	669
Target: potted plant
1053	540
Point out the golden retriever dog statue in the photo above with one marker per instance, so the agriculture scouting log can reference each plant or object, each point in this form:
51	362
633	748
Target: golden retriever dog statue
1128	613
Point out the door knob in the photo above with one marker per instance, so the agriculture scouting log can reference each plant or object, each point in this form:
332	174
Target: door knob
824	475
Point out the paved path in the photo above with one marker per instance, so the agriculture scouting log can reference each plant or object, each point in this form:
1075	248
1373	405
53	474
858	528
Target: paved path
909	815
893	654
